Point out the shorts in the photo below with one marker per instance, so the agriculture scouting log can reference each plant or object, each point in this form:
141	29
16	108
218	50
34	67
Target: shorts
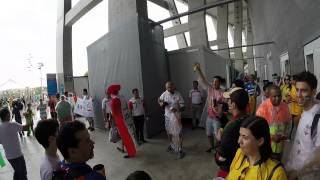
212	126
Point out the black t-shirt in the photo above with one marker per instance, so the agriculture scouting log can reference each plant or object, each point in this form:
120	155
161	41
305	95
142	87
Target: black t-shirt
228	145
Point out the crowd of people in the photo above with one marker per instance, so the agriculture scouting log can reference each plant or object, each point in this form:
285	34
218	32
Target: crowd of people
247	138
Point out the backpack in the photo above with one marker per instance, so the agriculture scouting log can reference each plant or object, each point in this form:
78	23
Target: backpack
273	170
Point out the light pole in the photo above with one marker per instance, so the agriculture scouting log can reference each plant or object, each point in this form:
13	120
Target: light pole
40	65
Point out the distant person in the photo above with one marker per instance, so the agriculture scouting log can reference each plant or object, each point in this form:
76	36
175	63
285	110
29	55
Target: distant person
46	133
89	119
253	159
64	111
11	144
52	105
295	108
304	159
139	175
106	110
42	109
76	147
137	110
254	91
29	118
17	106
285	88
195	102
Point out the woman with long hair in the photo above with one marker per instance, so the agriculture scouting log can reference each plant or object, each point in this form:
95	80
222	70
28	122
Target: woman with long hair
253	158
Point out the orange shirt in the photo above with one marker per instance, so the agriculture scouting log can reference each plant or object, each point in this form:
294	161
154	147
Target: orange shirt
279	114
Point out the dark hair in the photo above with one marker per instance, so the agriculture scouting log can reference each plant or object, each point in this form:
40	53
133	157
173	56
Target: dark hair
139	175
308	78
98	167
45	129
135	89
240	98
66	93
195	82
85	90
259	128
218	77
67	136
3	113
238	83
57	95
318	96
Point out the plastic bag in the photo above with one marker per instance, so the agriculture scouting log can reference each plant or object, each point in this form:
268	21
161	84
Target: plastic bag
114	135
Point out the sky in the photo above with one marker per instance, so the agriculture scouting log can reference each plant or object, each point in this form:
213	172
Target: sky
28	37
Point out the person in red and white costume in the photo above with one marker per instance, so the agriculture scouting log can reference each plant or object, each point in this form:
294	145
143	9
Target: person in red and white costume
137	111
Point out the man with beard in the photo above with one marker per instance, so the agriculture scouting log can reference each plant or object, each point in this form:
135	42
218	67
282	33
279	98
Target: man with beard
76	147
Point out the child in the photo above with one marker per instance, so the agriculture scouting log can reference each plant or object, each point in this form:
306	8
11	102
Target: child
29	118
11	144
46	132
43	110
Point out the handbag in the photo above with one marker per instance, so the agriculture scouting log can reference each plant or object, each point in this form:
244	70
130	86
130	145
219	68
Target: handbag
114	135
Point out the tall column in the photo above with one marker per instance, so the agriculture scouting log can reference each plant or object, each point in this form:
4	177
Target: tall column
251	68
64	49
222	37
197	24
182	42
238	65
121	11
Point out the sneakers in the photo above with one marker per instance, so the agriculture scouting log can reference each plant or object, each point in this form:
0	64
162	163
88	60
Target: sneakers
181	154
170	149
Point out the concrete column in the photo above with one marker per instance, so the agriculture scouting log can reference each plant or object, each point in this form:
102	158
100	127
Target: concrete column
250	54
64	49
182	42
222	37
120	11
197	24
238	65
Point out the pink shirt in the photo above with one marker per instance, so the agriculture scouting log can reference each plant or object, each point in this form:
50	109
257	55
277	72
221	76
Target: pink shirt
213	94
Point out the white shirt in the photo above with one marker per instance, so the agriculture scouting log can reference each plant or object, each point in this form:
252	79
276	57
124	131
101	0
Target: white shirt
304	147
47	166
137	106
196	96
106	105
174	100
10	140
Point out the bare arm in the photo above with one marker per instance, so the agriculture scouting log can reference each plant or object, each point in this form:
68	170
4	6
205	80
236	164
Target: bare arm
202	79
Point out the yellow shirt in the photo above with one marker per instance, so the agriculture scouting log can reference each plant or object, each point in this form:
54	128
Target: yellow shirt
240	169
285	92
295	108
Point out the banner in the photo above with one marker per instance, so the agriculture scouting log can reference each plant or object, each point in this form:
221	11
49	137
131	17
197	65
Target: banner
84	107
